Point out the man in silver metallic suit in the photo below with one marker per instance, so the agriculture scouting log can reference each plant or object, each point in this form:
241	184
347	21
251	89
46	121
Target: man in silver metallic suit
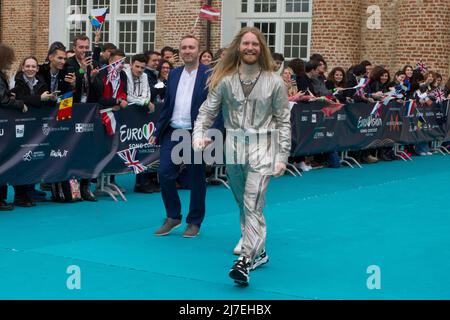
255	108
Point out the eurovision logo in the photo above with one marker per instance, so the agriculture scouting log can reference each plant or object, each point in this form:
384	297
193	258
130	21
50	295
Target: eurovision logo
136	134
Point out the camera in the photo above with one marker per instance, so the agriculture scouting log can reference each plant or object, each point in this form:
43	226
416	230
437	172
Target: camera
88	54
293	77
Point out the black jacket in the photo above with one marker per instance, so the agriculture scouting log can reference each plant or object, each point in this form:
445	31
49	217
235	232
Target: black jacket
44	73
72	62
23	92
152	81
7	101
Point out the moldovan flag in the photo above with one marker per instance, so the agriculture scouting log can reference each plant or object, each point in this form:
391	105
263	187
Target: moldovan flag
209	13
98	17
109	121
65	106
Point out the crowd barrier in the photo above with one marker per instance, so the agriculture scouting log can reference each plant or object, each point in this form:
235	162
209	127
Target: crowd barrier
35	148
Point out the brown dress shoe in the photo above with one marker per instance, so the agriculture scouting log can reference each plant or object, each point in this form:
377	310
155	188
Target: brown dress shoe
168	226
191	231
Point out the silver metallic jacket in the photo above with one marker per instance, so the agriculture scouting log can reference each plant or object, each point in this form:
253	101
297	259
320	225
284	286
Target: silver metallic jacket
258	127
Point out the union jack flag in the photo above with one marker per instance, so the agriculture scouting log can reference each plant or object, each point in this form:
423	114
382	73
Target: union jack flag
421	66
129	157
113	70
438	93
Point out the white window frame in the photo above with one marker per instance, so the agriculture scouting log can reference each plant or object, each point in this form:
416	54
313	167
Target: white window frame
59	17
233	12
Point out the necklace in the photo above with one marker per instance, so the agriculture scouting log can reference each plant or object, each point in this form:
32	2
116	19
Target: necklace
249	82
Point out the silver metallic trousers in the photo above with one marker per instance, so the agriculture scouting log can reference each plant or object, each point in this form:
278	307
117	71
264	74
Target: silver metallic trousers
249	188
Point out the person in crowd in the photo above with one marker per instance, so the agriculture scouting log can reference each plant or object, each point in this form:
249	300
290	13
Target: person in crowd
290	82
105	53
163	69
33	91
52	72
220	54
70	53
7	101
316	85
82	65
399	80
110	88
379	83
153	58
437	83
186	91
369	67
425	100
206	57
138	93
322	66
169	54
279	60
298	66
337	81
354	76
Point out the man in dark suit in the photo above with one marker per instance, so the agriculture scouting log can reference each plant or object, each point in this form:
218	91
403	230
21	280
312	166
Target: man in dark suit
186	91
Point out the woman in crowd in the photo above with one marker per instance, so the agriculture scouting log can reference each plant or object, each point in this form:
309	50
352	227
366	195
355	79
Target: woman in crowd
33	91
206	57
163	69
7	101
379	83
337	81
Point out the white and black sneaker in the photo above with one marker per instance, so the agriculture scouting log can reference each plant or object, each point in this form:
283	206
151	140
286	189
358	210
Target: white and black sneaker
263	258
240	271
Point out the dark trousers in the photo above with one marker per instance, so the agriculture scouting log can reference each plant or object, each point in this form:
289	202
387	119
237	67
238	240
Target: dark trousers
168	173
3	192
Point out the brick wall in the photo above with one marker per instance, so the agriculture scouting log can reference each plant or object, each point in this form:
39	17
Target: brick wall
25	27
176	18
336	31
410	30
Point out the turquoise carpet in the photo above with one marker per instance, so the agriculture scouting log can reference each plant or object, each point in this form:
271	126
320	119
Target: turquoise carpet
324	230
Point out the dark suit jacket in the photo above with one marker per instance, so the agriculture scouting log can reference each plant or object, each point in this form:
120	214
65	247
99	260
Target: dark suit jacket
199	96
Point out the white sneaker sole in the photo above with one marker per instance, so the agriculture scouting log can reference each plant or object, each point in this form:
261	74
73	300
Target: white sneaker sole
260	263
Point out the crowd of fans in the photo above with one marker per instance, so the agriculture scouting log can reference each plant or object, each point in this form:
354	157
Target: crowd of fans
102	76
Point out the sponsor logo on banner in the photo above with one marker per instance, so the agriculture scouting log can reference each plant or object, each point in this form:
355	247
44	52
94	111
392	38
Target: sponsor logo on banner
394	123
58	153
319	135
46	129
84	127
314	118
20	130
33	155
2	132
330	134
341	117
304	119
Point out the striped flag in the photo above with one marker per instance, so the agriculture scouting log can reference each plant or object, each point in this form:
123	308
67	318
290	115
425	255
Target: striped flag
65	106
410	108
209	13
376	109
109	121
98	17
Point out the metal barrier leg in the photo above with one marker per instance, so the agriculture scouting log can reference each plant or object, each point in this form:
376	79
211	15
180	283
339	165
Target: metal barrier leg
436	147
102	188
401	154
218	176
290	167
346	159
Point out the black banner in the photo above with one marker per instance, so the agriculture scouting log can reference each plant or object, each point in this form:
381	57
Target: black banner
34	147
319	128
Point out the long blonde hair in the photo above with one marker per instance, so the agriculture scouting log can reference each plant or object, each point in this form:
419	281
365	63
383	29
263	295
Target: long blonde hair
230	63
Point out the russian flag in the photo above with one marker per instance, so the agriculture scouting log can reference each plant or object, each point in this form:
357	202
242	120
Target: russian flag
209	13
98	17
410	108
